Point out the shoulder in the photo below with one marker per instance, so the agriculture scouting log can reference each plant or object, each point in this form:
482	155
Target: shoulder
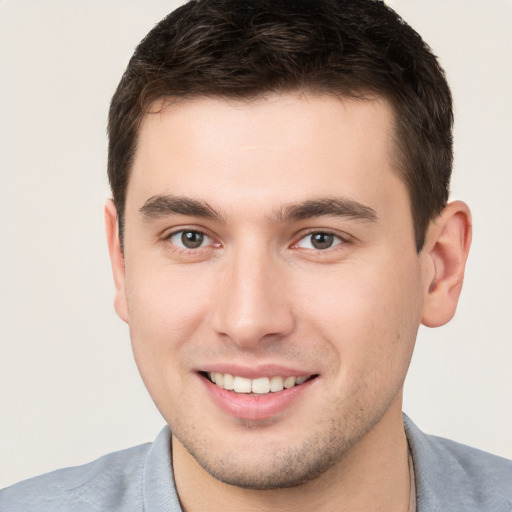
476	463
113	482
133	480
450	474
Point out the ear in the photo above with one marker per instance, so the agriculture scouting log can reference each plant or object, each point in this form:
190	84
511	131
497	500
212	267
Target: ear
446	250
116	259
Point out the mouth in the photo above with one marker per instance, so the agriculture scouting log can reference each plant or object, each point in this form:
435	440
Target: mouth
257	386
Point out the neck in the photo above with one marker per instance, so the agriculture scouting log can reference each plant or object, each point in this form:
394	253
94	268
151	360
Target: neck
373	476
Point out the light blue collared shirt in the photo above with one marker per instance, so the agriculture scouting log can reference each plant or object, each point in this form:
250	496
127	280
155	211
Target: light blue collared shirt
450	477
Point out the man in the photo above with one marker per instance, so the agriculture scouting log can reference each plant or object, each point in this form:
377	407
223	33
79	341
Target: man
279	230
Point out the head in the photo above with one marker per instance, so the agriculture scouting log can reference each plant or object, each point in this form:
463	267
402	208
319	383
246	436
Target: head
245	50
280	174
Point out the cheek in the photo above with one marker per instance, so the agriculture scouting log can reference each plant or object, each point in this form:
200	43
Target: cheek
165	309
164	300
370	315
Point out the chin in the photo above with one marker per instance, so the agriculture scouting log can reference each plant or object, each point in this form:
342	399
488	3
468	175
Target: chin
269	467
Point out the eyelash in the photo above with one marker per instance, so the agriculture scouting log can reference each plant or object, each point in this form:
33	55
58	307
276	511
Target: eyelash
338	239
177	247
341	239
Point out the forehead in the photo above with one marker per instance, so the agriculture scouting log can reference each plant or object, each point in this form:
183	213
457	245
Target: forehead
268	150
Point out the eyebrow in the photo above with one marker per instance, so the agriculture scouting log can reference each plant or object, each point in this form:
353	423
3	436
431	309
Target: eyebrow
336	207
160	206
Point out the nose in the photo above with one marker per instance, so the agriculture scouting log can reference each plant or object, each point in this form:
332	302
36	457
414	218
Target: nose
252	304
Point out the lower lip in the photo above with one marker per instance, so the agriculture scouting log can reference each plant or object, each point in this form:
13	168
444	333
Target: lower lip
255	407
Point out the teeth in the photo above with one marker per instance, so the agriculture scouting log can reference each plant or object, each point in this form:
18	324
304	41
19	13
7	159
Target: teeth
241	385
259	386
289	382
276	384
229	381
218	378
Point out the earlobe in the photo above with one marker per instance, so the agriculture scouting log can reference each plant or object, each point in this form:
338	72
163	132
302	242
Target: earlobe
116	259
446	249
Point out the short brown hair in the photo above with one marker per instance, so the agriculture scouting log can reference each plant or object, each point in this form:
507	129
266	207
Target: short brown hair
246	48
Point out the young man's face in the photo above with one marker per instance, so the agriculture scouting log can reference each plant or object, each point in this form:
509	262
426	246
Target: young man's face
267	240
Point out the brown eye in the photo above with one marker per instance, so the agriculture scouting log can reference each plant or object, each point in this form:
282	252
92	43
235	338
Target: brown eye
192	239
189	239
319	240
322	240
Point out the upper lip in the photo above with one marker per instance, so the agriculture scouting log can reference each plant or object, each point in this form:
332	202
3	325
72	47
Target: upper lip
255	371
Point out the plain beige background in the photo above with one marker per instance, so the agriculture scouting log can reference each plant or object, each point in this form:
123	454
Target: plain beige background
69	390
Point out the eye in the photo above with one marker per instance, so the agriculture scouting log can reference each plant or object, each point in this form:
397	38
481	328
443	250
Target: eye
189	239
319	240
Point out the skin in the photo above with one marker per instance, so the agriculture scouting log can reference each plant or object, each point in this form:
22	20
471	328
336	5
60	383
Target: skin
257	292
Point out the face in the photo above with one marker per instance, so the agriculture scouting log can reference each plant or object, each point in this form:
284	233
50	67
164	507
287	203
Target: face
271	282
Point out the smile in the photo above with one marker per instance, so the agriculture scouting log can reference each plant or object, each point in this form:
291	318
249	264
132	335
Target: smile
258	386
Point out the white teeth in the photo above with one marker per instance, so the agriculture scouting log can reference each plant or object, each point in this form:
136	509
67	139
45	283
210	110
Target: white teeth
228	381
218	378
289	382
260	386
276	384
242	385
